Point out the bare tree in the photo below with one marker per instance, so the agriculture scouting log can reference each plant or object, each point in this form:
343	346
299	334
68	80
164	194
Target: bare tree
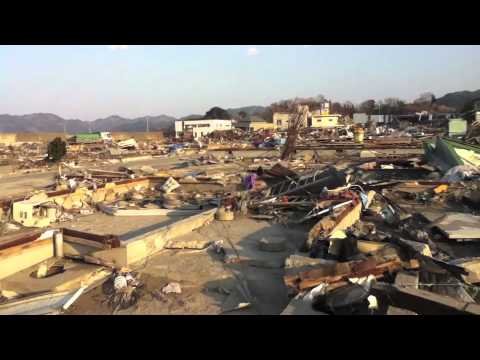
393	105
427	98
368	107
337	108
348	108
312	102
299	113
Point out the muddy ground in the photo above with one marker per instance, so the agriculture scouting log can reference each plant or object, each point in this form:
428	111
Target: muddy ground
209	286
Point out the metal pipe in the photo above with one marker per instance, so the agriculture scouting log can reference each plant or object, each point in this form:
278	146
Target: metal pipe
313	214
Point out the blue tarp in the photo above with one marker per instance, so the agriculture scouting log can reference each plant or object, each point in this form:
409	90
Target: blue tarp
175	147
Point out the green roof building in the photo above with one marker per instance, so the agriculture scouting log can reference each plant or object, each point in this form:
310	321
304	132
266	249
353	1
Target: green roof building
92	137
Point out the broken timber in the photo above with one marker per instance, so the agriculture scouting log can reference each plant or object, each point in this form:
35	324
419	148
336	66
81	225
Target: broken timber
88	239
423	302
340	272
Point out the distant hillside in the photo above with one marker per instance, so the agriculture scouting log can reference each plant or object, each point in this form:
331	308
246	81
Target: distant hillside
193	116
118	123
234	112
249	110
458	99
44	122
52	123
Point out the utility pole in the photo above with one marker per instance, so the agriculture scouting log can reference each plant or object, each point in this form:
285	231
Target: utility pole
148	127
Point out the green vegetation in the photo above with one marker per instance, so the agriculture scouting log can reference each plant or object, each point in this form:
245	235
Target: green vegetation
57	148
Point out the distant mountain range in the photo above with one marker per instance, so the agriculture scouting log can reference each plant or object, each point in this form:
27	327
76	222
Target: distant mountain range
191	117
234	112
249	110
53	123
459	99
42	122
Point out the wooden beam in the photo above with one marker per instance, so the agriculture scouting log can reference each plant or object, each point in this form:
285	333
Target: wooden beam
423	302
91	243
109	239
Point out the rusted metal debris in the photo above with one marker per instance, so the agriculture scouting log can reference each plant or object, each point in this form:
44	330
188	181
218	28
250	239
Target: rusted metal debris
340	273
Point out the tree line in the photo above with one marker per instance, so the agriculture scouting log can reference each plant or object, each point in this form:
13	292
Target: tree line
390	105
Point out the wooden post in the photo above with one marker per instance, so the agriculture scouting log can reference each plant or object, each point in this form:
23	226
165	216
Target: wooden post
58	241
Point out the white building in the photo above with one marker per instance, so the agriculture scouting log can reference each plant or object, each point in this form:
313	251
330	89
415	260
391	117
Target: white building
106	136
360	118
384	118
200	128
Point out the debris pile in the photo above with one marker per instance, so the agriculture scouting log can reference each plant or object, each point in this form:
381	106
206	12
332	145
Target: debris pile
122	289
390	222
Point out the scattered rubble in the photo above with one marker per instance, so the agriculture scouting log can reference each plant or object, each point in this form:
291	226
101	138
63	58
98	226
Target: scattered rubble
390	223
173	287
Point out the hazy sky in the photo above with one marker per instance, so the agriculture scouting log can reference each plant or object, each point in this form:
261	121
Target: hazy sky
89	82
